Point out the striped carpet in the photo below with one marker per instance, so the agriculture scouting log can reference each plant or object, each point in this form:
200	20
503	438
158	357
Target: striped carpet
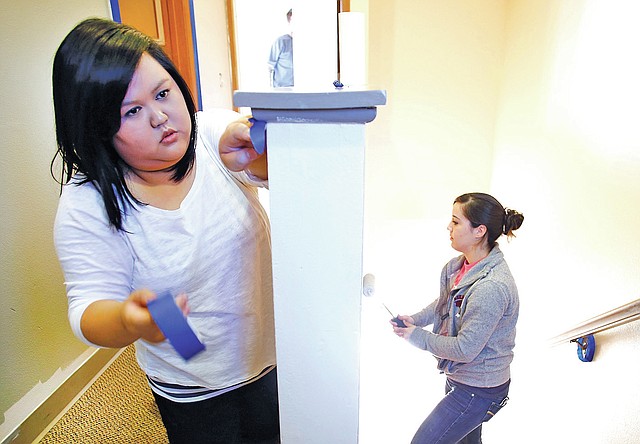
117	408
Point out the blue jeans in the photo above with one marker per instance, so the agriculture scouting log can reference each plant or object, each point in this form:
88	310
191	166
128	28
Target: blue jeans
459	416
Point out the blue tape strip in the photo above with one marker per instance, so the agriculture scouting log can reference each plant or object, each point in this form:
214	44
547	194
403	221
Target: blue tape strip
258	135
174	326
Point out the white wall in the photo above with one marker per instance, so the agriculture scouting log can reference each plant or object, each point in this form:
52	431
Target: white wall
532	101
567	153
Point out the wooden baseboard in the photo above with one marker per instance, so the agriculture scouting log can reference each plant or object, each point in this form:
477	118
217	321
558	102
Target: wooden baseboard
51	409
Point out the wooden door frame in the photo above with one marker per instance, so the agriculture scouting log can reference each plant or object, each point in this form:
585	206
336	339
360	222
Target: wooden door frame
233	47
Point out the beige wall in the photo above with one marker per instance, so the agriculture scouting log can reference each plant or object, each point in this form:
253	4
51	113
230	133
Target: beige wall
36	340
213	53
441	65
567	151
528	99
536	102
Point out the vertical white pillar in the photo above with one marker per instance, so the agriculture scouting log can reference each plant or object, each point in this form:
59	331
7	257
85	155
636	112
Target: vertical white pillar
316	180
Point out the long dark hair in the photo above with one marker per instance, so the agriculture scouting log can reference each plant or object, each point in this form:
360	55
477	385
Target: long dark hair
92	70
484	209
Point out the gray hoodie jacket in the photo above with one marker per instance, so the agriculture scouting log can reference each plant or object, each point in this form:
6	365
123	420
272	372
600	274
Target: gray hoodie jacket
481	332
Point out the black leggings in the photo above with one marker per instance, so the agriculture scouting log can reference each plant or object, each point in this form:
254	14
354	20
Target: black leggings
248	414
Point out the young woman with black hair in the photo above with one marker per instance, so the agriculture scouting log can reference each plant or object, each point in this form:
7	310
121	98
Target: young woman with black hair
158	198
474	323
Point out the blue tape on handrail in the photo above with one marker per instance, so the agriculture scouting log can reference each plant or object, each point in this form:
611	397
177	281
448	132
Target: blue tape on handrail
586	348
258	134
174	326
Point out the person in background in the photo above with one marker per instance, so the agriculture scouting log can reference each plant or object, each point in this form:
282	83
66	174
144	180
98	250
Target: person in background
158	198
474	323
281	58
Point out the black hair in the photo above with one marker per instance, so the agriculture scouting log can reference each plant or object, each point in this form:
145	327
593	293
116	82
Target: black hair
92	70
484	209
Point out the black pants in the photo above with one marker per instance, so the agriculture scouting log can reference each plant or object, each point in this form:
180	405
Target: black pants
248	414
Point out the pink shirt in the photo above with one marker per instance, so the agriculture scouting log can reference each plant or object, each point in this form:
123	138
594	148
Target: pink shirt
465	268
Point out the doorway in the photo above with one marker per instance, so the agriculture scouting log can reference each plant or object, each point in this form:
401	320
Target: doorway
255	24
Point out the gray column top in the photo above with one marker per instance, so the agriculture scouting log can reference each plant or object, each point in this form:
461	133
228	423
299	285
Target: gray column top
291	105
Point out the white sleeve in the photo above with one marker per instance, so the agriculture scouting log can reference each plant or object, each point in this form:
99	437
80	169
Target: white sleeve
95	259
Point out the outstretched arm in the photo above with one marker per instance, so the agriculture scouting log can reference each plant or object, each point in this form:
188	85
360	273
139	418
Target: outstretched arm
111	323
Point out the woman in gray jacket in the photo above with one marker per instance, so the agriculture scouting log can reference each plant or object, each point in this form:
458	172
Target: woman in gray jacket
474	323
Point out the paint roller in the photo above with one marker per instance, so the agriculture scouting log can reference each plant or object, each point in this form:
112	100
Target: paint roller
369	289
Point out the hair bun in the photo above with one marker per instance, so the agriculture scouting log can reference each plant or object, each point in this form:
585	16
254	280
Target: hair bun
512	221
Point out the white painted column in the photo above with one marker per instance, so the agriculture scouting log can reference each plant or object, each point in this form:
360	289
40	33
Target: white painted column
316	151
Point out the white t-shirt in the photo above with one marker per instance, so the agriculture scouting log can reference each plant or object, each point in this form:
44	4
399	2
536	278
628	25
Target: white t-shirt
215	248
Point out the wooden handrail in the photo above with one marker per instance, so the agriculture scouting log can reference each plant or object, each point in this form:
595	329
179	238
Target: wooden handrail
614	318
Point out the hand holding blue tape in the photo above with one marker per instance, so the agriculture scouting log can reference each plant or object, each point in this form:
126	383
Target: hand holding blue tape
258	135
174	326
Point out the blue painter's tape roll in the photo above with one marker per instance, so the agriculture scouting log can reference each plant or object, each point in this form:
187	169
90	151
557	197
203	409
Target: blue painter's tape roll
258	134
174	326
